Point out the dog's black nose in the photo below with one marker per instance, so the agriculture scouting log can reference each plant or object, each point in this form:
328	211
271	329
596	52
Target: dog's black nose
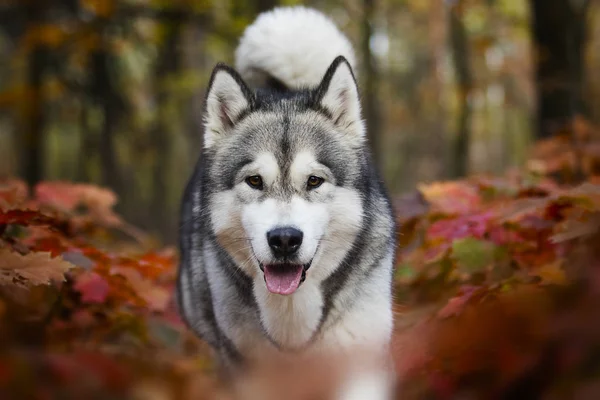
284	242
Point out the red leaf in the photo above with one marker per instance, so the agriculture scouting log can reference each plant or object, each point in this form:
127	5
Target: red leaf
442	233
61	195
456	305
6	374
442	385
67	196
26	217
75	368
56	245
93	288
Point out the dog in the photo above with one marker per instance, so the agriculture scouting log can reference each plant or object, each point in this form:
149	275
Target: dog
287	232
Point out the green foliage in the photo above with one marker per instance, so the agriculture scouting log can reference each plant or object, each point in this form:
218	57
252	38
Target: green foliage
473	255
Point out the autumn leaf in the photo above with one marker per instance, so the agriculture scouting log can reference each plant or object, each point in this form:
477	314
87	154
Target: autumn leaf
60	195
452	197
473	255
156	296
552	273
93	288
586	195
25	217
31	269
13	193
457	304
102	8
492	187
457	228
47	34
514	211
454	306
441	234
573	228
67	197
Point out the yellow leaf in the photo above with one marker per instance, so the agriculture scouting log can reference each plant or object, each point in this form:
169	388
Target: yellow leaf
552	273
44	34
102	8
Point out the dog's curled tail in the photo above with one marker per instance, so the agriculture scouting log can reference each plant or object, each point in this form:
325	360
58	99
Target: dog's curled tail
290	47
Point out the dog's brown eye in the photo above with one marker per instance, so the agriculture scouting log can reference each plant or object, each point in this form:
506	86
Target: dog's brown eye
255	181
314	182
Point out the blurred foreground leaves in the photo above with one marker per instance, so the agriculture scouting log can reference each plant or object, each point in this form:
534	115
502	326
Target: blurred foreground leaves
497	286
86	301
498	280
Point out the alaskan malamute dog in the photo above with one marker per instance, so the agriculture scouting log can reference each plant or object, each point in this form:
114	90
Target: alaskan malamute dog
287	237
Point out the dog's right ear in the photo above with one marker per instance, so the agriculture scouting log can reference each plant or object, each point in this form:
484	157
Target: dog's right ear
228	98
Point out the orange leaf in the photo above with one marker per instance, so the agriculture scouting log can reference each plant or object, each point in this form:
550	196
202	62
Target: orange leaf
156	297
451	197
551	273
13	192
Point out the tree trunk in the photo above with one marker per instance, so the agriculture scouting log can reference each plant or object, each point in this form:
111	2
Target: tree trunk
464	81
559	35
265	5
110	102
32	157
371	83
169	63
88	145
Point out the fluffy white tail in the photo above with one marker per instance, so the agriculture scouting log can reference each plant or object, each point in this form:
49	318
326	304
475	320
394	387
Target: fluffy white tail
293	45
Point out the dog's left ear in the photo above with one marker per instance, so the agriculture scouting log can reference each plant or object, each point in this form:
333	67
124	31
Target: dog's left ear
338	94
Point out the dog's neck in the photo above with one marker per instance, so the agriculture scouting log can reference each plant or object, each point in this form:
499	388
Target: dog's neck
290	322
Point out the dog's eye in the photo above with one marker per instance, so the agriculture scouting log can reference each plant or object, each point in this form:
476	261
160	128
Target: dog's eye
314	182
255	182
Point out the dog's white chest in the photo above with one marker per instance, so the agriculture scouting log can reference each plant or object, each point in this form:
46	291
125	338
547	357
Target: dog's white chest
290	321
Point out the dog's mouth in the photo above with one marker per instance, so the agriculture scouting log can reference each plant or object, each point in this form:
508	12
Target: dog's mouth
284	278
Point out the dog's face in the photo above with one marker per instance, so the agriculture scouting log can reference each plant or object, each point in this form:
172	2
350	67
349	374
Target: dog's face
283	176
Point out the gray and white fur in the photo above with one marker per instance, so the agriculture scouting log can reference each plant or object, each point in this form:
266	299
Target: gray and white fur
285	158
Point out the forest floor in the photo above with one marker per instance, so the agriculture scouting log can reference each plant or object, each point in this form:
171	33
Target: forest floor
497	291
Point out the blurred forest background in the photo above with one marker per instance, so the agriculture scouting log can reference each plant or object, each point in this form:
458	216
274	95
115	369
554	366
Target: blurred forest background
111	91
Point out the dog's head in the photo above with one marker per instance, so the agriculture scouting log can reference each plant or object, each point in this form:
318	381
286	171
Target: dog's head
284	172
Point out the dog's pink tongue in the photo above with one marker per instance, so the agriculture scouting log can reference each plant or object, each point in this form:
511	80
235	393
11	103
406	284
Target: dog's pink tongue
283	279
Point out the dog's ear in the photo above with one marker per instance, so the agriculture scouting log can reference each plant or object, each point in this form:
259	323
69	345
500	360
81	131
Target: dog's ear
338	94
227	99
